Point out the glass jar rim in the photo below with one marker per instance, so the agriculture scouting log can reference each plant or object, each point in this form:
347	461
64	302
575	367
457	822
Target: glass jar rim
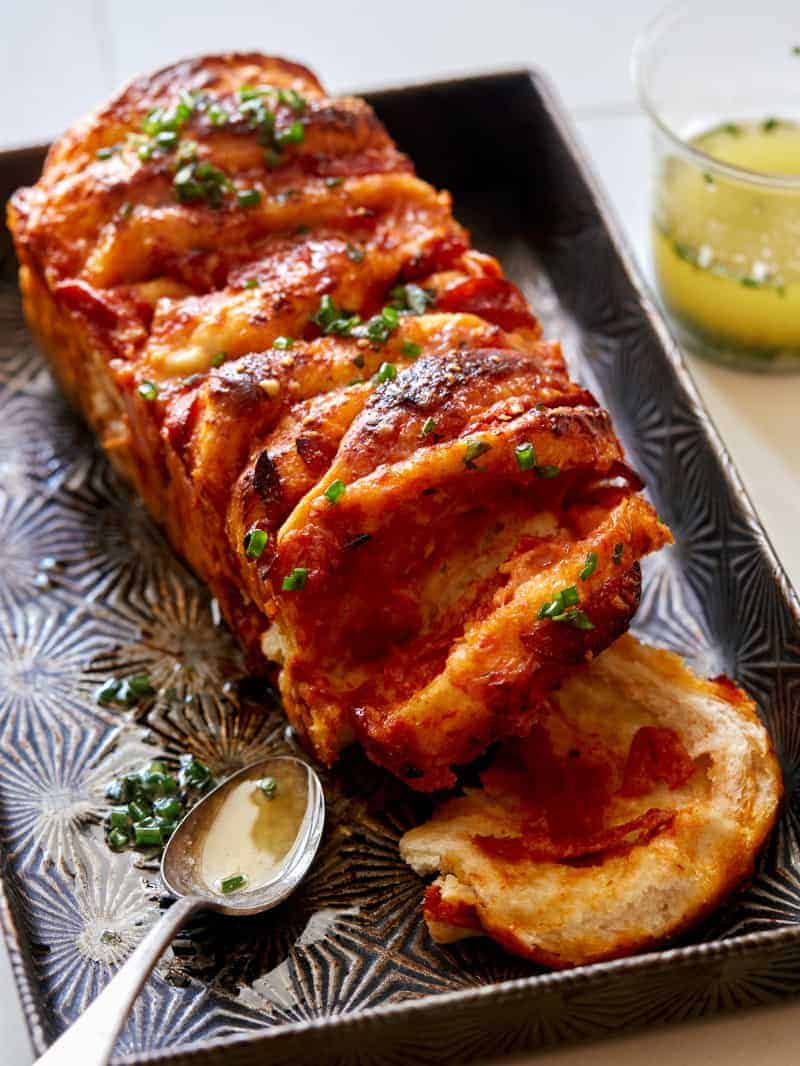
643	48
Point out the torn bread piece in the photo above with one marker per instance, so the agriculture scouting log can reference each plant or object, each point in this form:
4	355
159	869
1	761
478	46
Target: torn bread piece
638	802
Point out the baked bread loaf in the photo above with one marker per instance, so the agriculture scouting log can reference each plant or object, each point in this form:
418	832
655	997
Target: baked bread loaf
344	417
636	804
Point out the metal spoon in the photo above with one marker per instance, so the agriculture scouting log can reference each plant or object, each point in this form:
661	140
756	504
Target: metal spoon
91	1039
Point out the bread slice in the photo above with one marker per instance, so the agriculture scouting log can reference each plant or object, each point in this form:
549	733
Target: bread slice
637	803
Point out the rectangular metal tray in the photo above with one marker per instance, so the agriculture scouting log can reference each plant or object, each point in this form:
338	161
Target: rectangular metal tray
346	969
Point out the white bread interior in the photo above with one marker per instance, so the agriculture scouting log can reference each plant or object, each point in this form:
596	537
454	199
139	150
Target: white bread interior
632	897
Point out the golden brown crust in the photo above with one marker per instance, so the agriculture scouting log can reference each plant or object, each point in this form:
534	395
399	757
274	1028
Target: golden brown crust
164	253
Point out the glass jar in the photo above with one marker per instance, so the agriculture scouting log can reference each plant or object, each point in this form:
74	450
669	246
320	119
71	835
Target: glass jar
720	80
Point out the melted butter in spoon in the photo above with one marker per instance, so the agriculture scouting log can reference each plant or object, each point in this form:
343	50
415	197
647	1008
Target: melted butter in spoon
252	830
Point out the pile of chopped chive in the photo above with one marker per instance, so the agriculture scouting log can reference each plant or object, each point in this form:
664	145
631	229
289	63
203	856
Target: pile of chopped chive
196	180
149	802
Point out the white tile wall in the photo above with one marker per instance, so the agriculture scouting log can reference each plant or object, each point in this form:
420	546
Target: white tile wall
60	57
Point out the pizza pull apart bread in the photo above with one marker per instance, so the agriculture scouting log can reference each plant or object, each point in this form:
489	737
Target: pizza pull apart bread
344	416
636	804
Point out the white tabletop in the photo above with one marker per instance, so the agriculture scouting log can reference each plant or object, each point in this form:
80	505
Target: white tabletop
58	59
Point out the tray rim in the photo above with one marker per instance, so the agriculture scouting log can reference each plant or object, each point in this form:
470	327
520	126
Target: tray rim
432	1004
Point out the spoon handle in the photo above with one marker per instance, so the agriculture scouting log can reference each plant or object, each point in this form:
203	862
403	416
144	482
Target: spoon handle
91	1039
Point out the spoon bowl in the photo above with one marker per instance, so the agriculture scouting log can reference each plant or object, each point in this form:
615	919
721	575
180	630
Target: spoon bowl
181	866
90	1040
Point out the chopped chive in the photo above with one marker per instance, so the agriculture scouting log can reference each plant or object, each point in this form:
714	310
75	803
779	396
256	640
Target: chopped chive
108	691
252	283
168	808
119	818
232	883
219	358
386	372
248	197
548	471
569	596
525	456
272	158
557	607
157	784
269	786
418	299
146	834
126	210
389	316
412	298
708	178
685	252
770	124
428	426
166	140
333	182
378	329
796	50
283	343
334	490
186	153
295	580
616	555
217	115
292	134
148	390
562	609
550	607
475	448
104	153
410	350
118	839
126	692
255	541
201	181
138	810
354	253
749	283
589	566
293	98
194	774
334	320
139	686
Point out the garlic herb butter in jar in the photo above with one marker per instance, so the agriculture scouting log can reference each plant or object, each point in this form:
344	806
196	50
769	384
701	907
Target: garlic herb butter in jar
721	82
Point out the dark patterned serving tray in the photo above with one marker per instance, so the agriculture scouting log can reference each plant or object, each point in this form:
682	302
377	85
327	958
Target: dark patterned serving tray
88	588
